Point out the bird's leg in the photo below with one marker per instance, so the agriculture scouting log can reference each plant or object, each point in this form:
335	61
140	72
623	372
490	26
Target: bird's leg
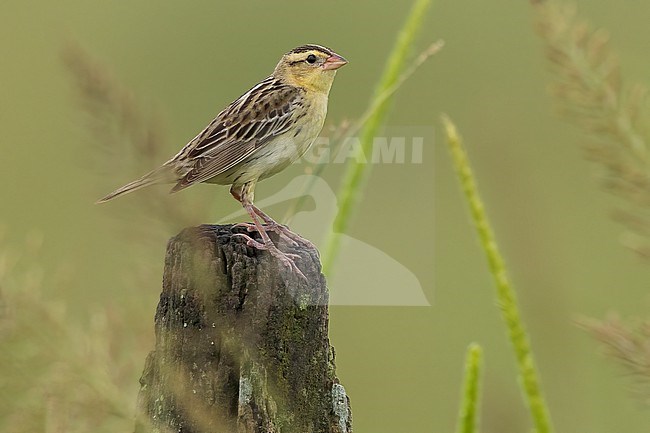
245	197
271	224
237	194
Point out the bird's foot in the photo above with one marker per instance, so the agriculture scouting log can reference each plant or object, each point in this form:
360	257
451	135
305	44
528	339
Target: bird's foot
295	238
287	259
271	226
250	227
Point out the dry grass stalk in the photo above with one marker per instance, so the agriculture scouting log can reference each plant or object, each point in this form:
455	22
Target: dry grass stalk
62	373
129	143
629	344
590	93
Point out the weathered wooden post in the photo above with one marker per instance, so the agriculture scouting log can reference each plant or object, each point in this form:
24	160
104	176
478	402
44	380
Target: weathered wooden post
241	343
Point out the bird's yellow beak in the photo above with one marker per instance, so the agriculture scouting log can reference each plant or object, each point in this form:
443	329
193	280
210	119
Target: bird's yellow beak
334	62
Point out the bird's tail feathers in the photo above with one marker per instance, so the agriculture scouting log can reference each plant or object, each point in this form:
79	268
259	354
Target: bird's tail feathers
159	175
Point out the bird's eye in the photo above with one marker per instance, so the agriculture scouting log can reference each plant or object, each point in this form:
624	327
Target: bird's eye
311	58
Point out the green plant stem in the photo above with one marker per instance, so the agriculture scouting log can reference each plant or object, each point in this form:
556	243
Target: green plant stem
469	409
505	293
356	171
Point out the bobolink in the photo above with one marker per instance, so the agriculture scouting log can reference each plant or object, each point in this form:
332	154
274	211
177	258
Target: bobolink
257	136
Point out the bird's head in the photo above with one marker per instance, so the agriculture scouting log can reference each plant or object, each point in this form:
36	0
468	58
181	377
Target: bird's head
309	66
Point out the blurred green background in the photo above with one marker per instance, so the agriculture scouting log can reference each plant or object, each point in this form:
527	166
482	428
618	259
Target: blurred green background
402	367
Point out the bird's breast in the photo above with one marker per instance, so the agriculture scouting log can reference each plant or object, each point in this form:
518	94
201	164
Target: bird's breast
282	150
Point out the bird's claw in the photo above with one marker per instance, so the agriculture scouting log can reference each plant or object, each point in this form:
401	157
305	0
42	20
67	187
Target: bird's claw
251	242
248	226
282	230
287	259
294	238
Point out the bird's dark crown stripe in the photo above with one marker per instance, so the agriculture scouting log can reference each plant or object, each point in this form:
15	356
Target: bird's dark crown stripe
305	48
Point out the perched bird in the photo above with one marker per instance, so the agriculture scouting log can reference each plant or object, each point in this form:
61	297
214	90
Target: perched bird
256	136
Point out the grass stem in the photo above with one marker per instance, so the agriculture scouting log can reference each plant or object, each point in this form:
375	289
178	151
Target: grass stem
358	171
469	408
506	296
